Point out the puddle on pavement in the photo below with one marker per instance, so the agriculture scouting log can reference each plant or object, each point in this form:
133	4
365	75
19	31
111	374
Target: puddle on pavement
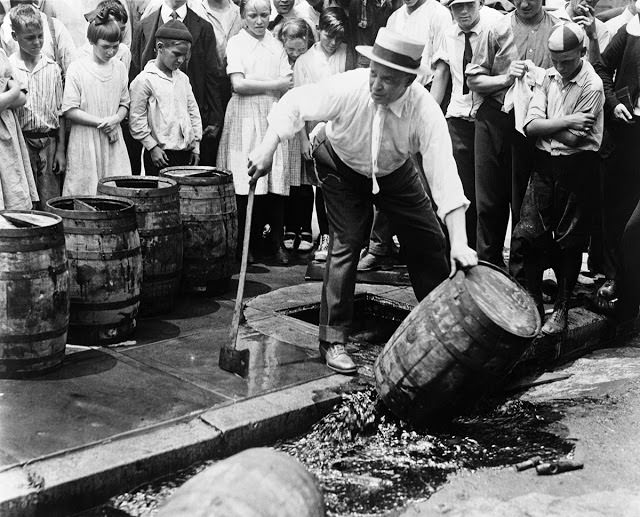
368	462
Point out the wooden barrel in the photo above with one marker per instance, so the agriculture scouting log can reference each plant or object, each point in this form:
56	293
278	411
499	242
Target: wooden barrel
457	344
105	264
210	224
34	292
254	483
157	206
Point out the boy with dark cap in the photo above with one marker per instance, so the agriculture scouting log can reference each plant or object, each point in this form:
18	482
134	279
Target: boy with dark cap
164	115
565	114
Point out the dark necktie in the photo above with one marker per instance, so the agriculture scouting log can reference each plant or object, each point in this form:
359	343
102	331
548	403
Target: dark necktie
466	59
274	22
174	16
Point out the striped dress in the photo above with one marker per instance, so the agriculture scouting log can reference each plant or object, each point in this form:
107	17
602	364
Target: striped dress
98	90
245	122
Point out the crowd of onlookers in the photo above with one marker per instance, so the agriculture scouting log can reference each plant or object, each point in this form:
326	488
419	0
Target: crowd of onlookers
541	103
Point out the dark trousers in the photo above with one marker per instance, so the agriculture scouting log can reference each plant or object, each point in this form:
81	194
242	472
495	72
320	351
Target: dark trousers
321	212
503	159
462	134
176	158
349	201
629	272
299	209
134	148
620	189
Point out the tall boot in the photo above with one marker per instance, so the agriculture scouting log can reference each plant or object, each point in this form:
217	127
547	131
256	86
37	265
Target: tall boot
569	269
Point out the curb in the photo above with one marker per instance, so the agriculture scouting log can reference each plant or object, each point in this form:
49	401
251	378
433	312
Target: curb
77	479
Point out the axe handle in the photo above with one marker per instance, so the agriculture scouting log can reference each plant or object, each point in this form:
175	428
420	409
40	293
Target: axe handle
237	310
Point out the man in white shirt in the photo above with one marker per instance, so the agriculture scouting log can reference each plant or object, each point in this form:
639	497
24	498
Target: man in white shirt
450	61
614	24
377	119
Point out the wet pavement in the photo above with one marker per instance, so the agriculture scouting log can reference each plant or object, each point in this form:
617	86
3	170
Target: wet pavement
159	402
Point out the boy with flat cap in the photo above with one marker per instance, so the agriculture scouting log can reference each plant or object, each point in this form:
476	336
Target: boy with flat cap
164	115
377	119
565	114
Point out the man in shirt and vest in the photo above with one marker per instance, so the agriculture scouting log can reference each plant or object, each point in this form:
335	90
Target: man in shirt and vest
377	119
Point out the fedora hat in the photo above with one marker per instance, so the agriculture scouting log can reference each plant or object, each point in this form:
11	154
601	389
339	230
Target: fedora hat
395	51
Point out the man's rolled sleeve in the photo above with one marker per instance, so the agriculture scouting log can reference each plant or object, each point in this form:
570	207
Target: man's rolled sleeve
310	102
538	104
439	165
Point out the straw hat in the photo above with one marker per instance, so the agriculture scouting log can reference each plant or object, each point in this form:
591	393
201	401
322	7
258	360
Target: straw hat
395	51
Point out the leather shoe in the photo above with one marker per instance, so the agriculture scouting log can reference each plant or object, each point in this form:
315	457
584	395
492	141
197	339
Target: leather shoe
557	322
371	262
608	290
336	358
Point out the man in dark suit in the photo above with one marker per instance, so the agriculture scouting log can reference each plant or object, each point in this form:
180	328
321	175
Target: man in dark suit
203	67
618	68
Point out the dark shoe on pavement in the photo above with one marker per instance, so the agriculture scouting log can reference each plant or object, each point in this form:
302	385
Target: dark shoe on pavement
608	290
558	320
279	258
323	249
336	358
306	242
289	242
371	262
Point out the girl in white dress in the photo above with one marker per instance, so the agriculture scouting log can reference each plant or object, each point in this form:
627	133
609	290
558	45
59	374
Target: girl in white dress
297	37
260	73
96	100
327	57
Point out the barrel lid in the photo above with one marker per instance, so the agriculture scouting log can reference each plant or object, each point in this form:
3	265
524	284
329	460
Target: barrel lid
503	300
198	175
89	207
137	186
11	219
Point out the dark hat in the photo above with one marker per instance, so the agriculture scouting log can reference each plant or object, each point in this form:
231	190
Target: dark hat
175	30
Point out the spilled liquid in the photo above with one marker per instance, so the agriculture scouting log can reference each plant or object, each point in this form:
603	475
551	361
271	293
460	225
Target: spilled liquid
368	462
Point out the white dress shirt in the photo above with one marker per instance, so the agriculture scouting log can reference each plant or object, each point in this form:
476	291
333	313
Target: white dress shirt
614	24
427	24
165	13
463	105
413	124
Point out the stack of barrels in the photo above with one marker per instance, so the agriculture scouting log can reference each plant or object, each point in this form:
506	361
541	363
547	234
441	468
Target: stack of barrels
84	270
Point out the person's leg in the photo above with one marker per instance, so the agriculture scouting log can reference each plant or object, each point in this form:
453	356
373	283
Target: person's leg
381	250
134	149
462	139
348	200
629	289
323	224
621	193
305	211
292	218
403	198
276	220
493	181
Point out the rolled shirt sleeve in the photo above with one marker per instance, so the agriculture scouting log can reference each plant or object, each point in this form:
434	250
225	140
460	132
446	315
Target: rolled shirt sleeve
138	122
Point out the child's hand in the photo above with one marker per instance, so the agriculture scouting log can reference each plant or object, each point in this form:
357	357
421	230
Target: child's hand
580	121
305	147
59	162
195	158
109	124
159	157
211	130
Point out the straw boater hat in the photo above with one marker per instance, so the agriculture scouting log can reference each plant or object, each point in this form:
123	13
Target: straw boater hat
395	51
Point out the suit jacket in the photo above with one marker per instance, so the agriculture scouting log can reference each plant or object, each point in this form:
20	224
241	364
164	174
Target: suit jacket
621	59
203	68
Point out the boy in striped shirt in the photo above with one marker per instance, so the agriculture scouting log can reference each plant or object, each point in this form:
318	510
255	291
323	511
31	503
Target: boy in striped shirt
565	115
39	118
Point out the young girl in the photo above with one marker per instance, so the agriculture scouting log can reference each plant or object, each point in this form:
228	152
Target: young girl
117	13
260	73
297	37
96	100
327	57
17	186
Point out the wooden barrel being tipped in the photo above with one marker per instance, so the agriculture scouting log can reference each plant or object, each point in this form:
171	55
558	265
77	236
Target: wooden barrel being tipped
105	264
210	224
456	345
254	483
157	206
34	292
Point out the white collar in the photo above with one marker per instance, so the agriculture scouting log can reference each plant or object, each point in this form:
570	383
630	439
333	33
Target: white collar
397	106
42	62
165	12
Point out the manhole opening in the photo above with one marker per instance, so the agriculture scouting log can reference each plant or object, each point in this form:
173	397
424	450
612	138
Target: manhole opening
375	318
